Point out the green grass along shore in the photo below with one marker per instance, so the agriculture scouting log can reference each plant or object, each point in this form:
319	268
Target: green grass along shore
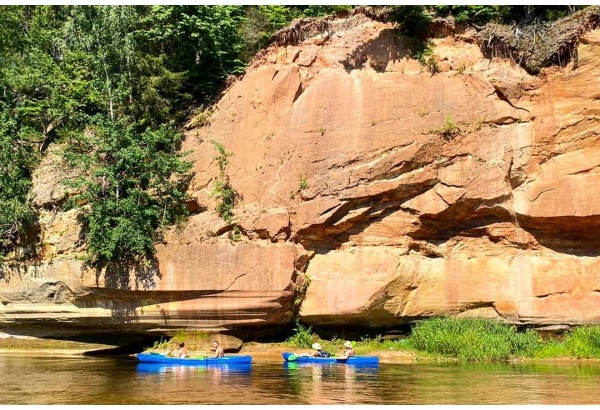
469	340
439	339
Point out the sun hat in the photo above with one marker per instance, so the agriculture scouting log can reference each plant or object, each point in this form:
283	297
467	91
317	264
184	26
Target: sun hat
316	346
348	343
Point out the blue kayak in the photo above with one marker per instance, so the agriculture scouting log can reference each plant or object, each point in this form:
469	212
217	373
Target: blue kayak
354	360
191	361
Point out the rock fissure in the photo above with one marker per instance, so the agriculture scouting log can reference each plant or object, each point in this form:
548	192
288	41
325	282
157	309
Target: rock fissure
547	295
502	96
540	194
299	92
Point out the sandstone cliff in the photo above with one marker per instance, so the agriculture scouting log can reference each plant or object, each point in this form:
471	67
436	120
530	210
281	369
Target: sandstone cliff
387	193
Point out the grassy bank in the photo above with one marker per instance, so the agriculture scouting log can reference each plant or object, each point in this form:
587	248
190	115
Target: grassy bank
467	340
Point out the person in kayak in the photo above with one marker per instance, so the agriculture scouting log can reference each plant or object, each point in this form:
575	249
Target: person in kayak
218	349
348	350
319	351
182	351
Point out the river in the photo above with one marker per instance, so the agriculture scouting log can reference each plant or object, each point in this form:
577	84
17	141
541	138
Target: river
90	380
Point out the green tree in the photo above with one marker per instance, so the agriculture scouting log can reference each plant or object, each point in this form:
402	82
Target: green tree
324	10
93	78
16	160
504	13
201	41
260	23
102	38
31	106
137	185
413	21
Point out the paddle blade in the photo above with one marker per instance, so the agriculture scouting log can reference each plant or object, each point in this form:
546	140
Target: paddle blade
292	357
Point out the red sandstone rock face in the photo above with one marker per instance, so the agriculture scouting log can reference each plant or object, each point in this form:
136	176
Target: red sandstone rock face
345	176
498	221
208	286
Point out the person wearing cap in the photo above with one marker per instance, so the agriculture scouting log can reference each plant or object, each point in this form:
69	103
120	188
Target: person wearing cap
319	351
348	350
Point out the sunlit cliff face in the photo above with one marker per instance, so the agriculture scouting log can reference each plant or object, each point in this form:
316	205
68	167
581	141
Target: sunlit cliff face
399	194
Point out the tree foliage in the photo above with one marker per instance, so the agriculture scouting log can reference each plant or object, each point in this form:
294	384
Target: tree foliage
113	83
30	106
131	191
224	192
504	13
413	20
84	76
16	215
202	42
317	10
260	22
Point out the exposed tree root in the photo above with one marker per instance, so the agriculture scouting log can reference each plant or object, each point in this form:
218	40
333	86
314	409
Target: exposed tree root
539	45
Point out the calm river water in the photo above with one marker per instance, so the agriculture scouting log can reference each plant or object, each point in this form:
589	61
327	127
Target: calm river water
86	380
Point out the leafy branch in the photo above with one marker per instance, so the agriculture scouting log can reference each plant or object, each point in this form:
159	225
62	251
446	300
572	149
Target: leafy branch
137	185
225	194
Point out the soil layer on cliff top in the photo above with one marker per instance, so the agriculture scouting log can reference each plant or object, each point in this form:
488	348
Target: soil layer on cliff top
538	45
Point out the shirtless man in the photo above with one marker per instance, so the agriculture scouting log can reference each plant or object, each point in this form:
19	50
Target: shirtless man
348	350
218	349
182	351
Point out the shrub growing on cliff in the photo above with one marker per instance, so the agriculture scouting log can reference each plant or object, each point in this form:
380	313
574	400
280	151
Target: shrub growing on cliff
225	194
303	183
413	20
473	339
302	337
137	184
449	130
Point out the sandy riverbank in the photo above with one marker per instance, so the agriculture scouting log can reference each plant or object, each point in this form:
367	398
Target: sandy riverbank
261	352
47	347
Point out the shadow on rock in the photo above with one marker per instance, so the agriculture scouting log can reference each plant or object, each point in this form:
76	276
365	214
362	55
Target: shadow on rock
118	275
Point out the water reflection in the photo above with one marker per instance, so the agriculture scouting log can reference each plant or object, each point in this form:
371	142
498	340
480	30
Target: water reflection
328	383
182	370
123	381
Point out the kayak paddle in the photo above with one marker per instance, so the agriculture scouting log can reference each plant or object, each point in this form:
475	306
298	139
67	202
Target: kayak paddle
295	356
